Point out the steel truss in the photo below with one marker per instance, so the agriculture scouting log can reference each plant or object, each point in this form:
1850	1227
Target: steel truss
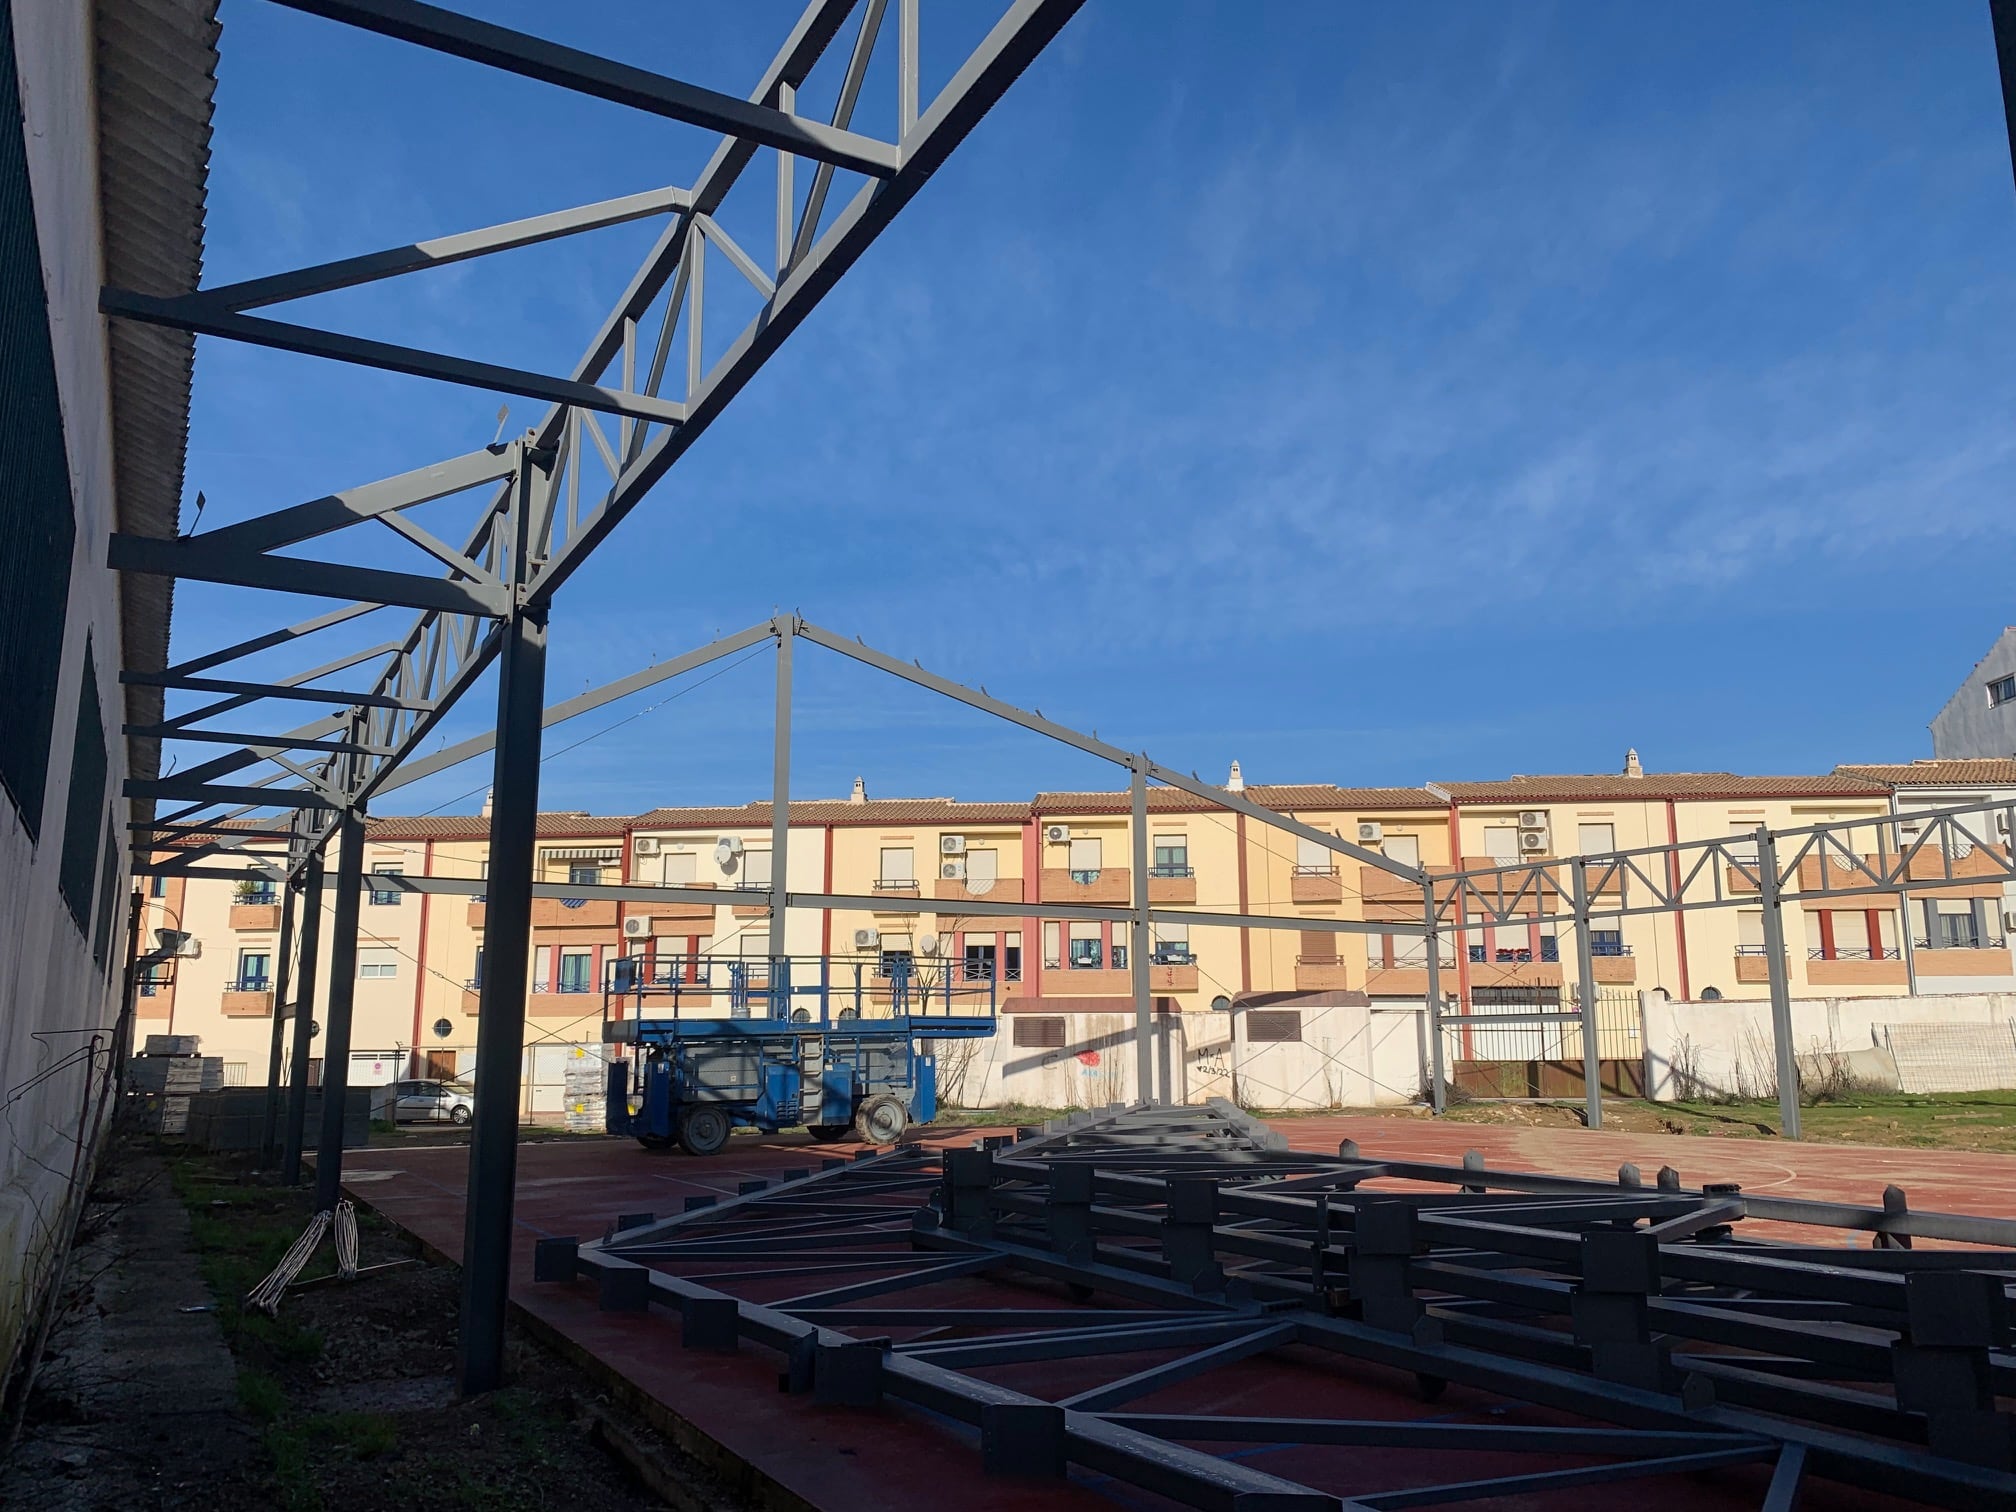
1654	1337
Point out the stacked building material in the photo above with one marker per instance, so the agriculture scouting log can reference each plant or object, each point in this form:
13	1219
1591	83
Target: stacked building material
585	1089
166	1074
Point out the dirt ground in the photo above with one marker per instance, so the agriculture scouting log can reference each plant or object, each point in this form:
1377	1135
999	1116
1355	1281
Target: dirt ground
159	1391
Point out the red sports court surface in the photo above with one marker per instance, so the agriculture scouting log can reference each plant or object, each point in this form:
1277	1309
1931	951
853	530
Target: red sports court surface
892	1457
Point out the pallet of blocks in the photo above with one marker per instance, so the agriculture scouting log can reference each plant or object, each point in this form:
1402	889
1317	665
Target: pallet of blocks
585	1089
165	1075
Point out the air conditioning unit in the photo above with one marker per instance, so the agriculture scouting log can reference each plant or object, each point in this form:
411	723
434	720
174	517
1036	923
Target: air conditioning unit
637	927
1532	840
1370	832
645	845
1533	819
1057	834
951	845
867	939
952	871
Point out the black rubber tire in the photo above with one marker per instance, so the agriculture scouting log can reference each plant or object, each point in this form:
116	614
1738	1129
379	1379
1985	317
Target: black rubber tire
655	1142
881	1121
703	1129
458	1115
829	1133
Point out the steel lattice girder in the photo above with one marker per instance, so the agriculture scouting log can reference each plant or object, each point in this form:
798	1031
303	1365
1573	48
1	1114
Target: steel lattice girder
1636	1308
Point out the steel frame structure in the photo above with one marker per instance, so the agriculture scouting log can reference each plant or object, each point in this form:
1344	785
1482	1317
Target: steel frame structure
531	532
1653	1335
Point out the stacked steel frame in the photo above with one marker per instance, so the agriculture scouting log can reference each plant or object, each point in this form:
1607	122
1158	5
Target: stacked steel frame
1657	1332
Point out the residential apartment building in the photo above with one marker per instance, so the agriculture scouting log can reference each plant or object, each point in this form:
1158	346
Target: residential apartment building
1979	721
421	956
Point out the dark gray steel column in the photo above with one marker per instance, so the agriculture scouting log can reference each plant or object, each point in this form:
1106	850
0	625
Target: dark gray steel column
1137	959
342	991
1438	1093
780	814
304	1019
1781	983
1585	977
500	1023
283	980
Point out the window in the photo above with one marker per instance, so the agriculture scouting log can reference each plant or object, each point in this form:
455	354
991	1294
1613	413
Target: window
1550	948
1501	843
256	888
577	970
1312	859
898	956
542	968
254	971
1011	956
1053	945
1039	1033
1273	1027
756	868
2002	691
377	961
77	873
983	870
1121	936
1952	924
37	527
1406	849
1606	942
1086	857
1595	839
899	867
1319	947
476	970
680	868
387	897
981	958
1086	954
1171	945
584	874
1172	856
157	887
1749	931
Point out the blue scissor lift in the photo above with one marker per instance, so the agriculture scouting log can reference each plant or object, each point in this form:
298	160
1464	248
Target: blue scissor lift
827	1041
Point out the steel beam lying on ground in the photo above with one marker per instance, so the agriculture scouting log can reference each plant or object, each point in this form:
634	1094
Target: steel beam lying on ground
1678	1346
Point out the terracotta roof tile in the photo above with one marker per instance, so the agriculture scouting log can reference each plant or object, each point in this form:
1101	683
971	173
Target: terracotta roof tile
1285	796
1569	787
840	812
1988	771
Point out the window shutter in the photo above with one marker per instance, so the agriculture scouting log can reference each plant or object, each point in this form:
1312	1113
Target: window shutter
1319	945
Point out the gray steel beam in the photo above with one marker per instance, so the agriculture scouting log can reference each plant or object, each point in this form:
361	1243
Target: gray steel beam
780	808
569	68
1785	1055
304	1021
440	251
187	312
1137	963
283	981
1585	977
342	997
351	506
271	639
1438	1091
181	789
258	745
343	697
194	557
500	1029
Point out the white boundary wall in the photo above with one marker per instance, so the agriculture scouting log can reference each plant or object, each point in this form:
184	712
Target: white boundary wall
1726	1046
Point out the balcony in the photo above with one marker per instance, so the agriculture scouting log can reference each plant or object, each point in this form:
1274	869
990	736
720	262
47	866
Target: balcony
1613	965
248	997
1316	884
472	998
1172	975
255	915
1171	882
1514	968
1400	981
1110	884
1945	960
667	911
1083	981
574	913
963	890
1751	964
478	912
1856	968
1320	974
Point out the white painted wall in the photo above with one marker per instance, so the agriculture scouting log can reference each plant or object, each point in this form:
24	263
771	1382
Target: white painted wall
1727	1045
1969	725
52	995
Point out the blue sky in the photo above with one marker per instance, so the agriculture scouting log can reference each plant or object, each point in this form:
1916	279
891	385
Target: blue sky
1372	393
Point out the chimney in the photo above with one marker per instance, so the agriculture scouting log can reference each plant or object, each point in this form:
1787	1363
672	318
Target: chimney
1631	766
1235	783
484	812
860	793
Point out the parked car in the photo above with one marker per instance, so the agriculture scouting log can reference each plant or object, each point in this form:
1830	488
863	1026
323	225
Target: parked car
433	1102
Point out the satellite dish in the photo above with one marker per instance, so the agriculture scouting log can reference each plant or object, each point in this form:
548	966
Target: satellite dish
726	849
927	944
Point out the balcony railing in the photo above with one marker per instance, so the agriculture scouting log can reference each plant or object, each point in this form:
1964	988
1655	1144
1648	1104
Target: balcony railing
257	897
1608	948
1170	869
895	884
1315	871
988	971
1993	942
1171	956
1752	950
250	984
1852	953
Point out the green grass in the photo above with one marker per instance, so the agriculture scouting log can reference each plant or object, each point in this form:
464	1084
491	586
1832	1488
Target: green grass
1932	1120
